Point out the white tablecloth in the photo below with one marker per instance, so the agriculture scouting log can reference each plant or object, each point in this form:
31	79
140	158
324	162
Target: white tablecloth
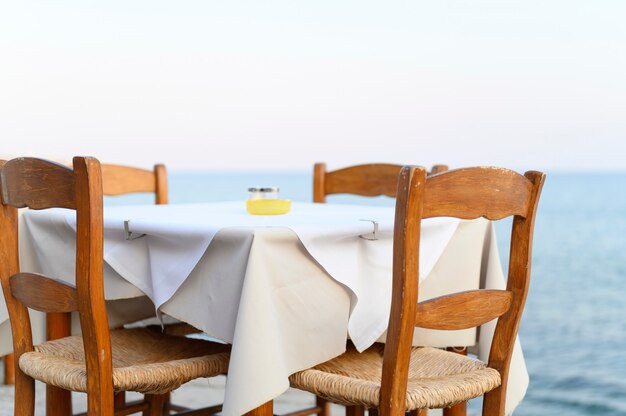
284	290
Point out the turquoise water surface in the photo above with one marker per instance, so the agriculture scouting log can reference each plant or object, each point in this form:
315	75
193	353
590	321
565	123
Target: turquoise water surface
573	331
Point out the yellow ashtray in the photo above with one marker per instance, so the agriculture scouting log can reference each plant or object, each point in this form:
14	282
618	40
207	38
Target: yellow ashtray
268	206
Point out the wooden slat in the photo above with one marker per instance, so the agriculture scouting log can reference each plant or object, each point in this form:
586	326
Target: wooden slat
118	180
492	193
372	179
37	184
366	180
462	310
43	293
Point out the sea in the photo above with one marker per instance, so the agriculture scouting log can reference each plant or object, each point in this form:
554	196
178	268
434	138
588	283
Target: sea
573	330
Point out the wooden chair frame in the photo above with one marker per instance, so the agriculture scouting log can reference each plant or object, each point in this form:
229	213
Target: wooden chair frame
39	184
119	180
116	180
372	179
470	193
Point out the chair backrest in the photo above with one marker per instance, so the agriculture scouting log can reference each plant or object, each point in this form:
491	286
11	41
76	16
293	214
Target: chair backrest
469	193
39	184
372	179
119	180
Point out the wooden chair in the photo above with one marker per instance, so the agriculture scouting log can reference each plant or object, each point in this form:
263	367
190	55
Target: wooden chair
372	179
397	377
101	361
116	180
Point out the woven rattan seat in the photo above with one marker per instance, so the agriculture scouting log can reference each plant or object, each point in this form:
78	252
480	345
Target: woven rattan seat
144	360
437	378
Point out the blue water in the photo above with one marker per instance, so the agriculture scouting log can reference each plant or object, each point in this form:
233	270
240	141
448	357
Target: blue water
574	327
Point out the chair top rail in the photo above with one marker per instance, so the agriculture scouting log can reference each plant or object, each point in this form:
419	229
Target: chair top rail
37	184
492	193
366	180
118	179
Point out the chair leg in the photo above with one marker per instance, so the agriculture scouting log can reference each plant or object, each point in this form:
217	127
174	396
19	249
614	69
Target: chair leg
266	409
461	408
119	400
324	405
9	369
493	402
58	401
456	410
157	404
24	402
355	411
166	404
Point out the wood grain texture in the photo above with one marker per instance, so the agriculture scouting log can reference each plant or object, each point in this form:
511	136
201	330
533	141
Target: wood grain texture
90	286
37	184
469	193
40	184
18	314
464	193
518	282
43	293
462	310
411	184
366	180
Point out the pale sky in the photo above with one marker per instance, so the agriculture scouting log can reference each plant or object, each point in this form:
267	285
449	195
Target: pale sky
282	84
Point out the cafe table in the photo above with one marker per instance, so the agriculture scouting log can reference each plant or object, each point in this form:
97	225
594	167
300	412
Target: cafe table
285	290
